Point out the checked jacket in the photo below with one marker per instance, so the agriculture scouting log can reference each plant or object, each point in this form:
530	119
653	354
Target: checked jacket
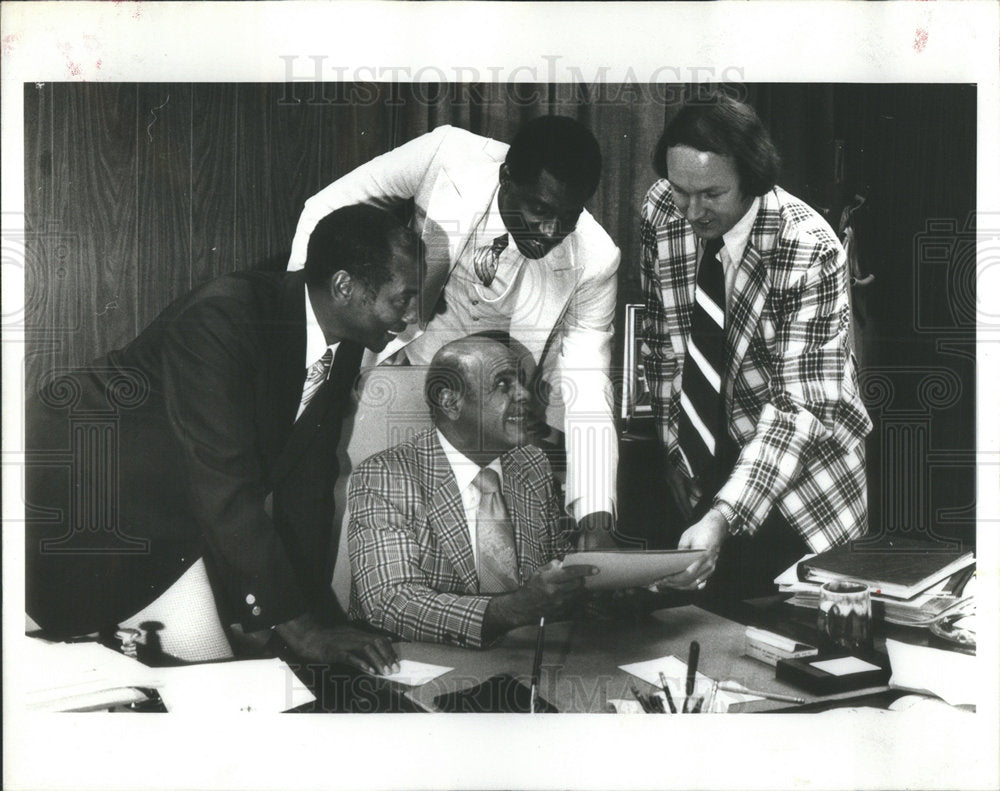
411	557
789	384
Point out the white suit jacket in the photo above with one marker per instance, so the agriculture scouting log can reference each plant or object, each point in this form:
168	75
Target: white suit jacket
451	175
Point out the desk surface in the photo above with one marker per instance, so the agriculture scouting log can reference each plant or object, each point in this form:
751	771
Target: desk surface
580	665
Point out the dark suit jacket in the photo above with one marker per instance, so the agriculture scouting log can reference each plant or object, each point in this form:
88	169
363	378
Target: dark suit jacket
185	443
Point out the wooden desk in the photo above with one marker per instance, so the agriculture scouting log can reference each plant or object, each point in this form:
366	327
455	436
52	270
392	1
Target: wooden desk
580	666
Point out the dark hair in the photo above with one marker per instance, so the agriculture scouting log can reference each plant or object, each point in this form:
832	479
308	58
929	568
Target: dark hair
712	121
562	146
360	239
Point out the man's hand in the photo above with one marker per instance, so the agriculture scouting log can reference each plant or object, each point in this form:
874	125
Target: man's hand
707	533
549	591
311	641
596	531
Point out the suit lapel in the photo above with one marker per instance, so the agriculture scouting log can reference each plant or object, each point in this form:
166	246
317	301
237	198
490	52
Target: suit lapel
445	512
677	250
543	296
749	290
523	506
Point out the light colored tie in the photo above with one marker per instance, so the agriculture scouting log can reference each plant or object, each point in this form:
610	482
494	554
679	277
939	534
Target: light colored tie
487	259
315	377
494	537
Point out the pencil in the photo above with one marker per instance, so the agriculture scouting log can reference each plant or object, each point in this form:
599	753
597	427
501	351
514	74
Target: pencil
732	686
536	667
692	671
666	692
638	697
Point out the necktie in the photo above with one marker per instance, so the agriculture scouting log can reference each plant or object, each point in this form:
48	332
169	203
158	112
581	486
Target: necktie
487	259
701	431
494	537
315	377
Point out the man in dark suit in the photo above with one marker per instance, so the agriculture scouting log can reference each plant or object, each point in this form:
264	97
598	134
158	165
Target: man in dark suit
754	386
214	435
454	534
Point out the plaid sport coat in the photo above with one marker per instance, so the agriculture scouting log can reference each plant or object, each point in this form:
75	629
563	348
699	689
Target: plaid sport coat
789	382
412	566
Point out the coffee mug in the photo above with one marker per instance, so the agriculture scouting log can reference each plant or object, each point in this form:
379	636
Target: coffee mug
844	619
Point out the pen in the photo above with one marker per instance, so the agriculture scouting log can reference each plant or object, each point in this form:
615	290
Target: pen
536	668
666	692
732	686
692	670
638	697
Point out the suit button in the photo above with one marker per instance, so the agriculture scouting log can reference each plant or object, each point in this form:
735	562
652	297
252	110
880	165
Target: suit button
475	318
251	599
475	302
255	610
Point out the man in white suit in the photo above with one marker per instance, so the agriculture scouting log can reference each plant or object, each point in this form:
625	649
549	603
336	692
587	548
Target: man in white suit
553	289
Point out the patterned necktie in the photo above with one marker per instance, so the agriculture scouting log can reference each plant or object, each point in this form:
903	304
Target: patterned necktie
701	431
487	259
315	377
494	537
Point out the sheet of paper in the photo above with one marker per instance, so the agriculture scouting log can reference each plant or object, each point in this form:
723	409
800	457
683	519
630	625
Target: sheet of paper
413	674
676	673
264	686
950	675
630	568
844	666
63	675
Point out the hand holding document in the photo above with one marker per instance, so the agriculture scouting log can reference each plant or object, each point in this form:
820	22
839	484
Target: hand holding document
625	568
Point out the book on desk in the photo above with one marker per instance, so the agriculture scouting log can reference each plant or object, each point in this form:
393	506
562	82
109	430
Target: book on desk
912	582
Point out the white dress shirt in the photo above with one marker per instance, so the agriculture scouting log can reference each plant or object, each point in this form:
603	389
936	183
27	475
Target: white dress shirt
734	244
466	471
316	345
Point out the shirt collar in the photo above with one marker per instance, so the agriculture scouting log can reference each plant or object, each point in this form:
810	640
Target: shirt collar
316	344
465	469
736	238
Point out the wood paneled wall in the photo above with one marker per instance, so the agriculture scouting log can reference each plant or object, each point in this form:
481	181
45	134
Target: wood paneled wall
137	192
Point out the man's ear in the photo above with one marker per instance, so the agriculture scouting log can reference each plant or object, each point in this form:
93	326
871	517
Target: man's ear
504	175
341	286
449	401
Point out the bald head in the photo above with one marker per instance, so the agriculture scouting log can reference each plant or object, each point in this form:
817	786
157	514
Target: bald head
476	393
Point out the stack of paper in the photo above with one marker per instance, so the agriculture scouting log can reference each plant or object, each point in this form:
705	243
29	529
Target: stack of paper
88	676
81	676
918	610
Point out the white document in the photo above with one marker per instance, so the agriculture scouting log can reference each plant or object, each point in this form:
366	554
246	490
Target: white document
676	673
414	674
71	676
844	666
948	674
631	568
260	686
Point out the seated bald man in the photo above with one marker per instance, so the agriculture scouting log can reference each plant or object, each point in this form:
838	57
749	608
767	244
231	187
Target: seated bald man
454	536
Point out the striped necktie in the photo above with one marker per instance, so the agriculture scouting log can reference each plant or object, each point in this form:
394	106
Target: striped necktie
315	377
494	537
701	430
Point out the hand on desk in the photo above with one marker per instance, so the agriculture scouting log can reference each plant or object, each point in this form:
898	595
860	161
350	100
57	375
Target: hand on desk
314	642
596	531
707	533
550	591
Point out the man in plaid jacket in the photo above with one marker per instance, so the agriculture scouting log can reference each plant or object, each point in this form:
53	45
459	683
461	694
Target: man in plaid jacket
788	464
416	529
